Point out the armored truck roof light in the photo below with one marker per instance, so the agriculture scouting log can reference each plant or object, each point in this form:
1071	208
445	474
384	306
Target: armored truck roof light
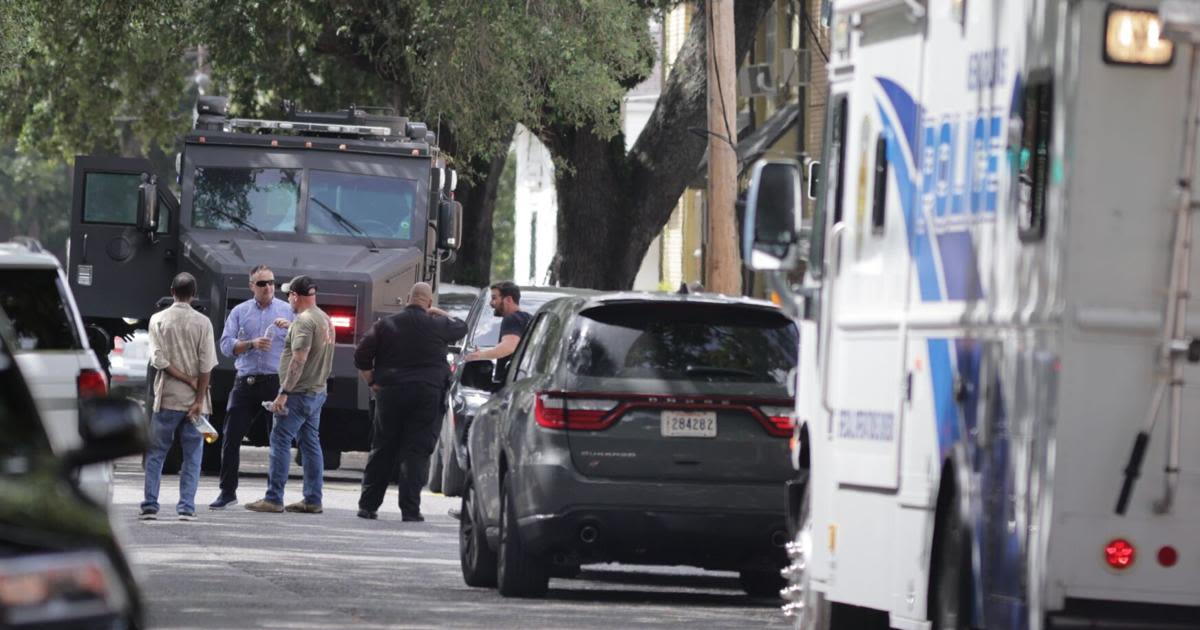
1133	37
283	125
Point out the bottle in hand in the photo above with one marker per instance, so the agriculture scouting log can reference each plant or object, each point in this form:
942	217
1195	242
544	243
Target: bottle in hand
205	428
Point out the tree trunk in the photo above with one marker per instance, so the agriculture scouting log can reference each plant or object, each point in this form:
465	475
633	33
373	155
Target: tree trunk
613	204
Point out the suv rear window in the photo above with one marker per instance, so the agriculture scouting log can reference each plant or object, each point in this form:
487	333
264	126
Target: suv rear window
683	341
34	301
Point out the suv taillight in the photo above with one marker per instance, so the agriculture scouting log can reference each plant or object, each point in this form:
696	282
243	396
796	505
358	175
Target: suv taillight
780	422
91	384
555	411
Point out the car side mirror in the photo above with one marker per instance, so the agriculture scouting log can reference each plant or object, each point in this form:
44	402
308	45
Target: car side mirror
771	230
111	428
147	205
449	225
478	374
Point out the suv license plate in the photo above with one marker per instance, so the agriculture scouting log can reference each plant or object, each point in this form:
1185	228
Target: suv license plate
689	424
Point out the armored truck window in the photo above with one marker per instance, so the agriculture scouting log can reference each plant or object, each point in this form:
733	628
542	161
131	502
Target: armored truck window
381	207
266	198
113	198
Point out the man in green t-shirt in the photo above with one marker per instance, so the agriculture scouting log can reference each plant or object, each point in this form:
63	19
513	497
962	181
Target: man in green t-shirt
303	369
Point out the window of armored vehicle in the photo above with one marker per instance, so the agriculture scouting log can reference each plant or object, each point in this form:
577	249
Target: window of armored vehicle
265	198
380	207
113	198
1033	159
879	199
35	302
683	341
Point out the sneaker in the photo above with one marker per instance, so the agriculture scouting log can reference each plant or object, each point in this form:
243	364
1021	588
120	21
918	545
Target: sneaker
413	518
455	513
368	514
222	502
304	508
148	514
263	505
187	516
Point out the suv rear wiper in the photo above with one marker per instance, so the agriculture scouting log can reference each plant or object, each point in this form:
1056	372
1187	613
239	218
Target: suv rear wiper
713	370
346	224
238	221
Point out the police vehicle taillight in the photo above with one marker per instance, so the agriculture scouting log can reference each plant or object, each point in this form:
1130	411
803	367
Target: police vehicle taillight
1119	553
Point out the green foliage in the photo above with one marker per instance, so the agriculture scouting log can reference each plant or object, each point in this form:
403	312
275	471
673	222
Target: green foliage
35	198
503	218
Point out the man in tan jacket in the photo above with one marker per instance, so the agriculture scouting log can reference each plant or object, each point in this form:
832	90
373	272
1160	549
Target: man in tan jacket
183	351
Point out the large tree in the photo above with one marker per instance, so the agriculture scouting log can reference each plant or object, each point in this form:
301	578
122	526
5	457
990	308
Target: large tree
471	69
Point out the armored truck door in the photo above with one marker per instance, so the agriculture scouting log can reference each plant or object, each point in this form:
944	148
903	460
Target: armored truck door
116	269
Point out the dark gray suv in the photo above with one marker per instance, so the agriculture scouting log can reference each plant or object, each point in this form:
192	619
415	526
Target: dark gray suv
634	428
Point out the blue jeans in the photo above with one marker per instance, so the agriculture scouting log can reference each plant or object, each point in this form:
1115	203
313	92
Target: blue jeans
162	433
303	419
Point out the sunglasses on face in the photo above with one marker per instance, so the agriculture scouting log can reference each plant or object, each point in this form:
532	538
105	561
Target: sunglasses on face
263	283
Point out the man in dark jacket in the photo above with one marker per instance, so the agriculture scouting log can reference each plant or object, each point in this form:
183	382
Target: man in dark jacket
403	360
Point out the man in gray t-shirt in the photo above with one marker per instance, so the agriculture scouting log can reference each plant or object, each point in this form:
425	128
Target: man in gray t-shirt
303	370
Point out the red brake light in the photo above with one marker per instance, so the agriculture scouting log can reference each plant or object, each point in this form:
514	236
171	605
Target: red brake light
1119	553
780	422
575	414
91	384
1167	556
342	321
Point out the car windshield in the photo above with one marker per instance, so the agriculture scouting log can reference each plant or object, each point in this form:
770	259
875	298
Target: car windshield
265	198
683	341
456	304
35	302
378	206
487	329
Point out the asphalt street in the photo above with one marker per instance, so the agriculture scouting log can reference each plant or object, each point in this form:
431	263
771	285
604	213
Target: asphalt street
240	569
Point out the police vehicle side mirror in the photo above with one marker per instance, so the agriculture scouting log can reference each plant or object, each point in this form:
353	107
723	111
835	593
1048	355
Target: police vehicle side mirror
478	375
770	232
111	428
147	205
449	225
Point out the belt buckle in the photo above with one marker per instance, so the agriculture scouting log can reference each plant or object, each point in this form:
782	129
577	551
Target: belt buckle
251	379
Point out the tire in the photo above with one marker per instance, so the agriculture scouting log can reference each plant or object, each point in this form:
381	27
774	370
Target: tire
477	559
761	582
805	606
518	572
453	476
435	471
950	589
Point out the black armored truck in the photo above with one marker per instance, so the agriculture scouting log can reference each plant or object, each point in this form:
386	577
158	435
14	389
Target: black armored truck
359	200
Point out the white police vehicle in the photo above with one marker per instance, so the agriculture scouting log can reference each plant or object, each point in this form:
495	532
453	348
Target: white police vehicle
995	330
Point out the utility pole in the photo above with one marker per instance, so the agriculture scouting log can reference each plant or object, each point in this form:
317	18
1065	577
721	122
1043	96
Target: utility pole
723	266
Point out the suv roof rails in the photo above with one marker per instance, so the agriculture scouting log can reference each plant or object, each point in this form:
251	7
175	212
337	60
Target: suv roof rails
30	243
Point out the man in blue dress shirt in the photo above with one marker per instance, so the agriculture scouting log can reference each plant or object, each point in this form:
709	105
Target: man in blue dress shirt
253	337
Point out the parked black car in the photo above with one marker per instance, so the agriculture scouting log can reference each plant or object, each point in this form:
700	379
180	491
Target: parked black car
483	332
60	562
634	428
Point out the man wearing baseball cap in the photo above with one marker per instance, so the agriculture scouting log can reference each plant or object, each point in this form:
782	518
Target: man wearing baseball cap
304	368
